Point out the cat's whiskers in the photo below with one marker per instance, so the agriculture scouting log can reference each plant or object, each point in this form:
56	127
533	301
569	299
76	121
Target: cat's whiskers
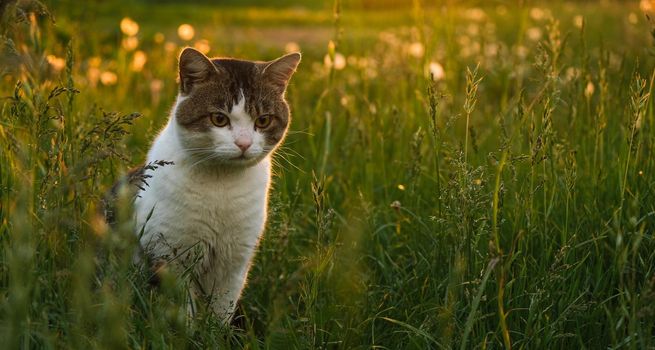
205	159
285	156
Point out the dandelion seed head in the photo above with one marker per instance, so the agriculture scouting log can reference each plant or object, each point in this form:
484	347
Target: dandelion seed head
521	51
534	33
129	27
473	29
139	60
372	108
202	46
344	101
291	46
57	63
537	14
475	14
416	49
156	85
95	61
130	43
108	78
170	47
632	18
339	61
186	32
436	71
159	38
589	90
93	75
491	49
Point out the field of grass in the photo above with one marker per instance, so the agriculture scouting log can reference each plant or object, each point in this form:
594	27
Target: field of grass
455	176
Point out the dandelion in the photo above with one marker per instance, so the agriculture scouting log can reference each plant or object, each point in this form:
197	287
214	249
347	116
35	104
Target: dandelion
475	14
202	46
95	61
339	61
641	173
537	14
578	21
464	40
159	38
129	27
156	86
170	46
473	29
93	75
372	108
589	90
534	33
416	49
57	63
521	51
632	18
108	78
130	43
139	60
291	46
491	49
477	182
401	187
344	101
436	71
186	32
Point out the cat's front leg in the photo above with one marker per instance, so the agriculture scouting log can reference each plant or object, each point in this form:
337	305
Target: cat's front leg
222	291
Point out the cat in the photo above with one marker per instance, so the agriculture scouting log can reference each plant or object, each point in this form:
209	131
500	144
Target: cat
205	210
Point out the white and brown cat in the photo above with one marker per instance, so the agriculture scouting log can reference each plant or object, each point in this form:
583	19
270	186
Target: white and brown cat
207	210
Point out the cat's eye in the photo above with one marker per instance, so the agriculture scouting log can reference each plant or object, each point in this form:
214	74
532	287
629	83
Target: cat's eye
219	119
263	121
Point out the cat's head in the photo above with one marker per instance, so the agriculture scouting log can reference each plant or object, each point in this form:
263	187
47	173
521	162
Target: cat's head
232	112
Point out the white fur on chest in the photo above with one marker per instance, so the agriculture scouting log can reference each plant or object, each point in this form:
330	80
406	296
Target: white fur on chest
221	213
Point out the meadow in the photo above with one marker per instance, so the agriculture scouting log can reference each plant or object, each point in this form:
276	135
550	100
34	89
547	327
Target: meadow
458	174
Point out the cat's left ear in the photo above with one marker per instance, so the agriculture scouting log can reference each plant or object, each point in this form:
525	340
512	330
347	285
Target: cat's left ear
279	71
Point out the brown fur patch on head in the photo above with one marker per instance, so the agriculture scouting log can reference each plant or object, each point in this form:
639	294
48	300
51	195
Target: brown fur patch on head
218	84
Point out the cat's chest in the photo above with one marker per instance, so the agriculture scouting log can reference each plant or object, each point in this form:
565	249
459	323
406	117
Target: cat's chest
184	209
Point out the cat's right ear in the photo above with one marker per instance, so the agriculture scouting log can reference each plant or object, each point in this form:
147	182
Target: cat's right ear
194	68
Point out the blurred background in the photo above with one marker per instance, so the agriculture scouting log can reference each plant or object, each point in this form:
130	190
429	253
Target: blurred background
472	174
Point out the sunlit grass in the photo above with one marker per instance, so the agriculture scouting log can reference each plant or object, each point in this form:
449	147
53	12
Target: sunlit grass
455	176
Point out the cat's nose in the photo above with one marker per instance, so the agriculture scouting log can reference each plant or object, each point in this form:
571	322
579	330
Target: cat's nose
243	142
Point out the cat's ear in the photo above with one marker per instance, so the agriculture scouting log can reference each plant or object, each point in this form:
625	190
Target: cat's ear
194	68
279	71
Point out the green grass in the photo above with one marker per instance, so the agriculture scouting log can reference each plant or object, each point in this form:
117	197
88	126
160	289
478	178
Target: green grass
512	204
